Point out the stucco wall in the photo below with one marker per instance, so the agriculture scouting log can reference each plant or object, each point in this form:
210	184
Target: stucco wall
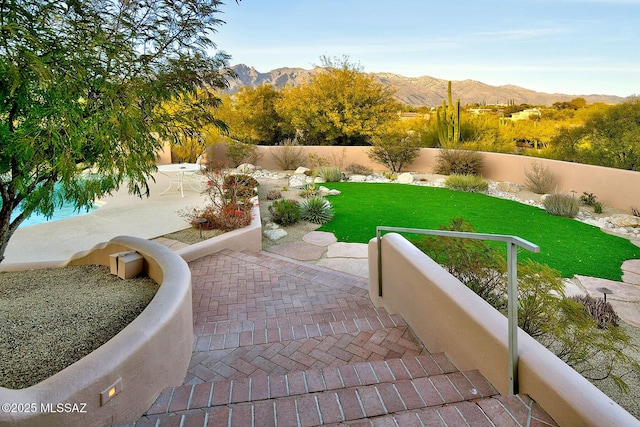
151	353
448	317
613	187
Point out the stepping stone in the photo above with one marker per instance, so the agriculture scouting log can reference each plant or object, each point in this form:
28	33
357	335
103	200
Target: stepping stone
298	250
356	267
320	238
348	250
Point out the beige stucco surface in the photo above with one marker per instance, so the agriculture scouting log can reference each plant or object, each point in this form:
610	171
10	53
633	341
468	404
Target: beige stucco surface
448	317
613	187
151	353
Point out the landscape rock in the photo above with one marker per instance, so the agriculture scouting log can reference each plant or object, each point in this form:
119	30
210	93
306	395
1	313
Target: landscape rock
298	180
624	220
324	191
301	170
357	178
274	233
508	187
405	178
247	168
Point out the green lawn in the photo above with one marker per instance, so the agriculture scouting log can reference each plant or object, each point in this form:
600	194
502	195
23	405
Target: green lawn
565	244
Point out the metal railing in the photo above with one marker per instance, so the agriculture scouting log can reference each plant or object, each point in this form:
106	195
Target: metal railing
513	242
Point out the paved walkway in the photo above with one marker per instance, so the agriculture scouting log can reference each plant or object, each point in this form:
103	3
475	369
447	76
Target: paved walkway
286	343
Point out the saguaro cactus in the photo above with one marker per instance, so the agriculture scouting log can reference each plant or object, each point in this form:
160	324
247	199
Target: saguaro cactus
449	121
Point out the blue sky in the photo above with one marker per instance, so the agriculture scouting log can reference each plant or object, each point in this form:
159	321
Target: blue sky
577	47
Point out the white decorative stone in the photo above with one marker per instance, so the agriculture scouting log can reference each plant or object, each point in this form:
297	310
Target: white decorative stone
405	178
508	187
301	170
357	178
298	180
246	168
274	233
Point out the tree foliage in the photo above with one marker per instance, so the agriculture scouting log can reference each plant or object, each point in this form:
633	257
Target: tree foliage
396	147
340	105
84	85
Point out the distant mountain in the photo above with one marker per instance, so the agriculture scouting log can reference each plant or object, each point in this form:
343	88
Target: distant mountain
419	91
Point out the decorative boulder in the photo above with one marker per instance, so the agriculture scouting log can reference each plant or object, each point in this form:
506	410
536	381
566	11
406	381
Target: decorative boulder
624	220
507	187
301	170
247	168
274	233
296	181
357	178
405	178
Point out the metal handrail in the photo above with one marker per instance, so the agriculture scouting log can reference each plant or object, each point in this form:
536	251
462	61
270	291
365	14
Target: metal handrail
512	279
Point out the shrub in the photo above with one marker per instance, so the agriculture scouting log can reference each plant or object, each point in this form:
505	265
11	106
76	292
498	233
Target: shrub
475	264
285	211
395	150
309	190
226	217
290	156
329	173
239	187
274	195
588	199
561	205
597	207
358	169
601	310
459	162
539	178
316	209
468	183
239	152
635	211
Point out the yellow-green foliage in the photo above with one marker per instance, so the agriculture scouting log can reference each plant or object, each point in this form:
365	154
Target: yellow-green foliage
468	183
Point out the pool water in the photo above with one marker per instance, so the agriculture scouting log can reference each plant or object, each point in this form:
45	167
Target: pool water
65	211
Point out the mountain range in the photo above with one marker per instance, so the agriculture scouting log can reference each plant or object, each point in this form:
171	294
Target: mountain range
421	91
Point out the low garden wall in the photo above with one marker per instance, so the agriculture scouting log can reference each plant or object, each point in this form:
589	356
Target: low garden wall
151	353
613	187
448	317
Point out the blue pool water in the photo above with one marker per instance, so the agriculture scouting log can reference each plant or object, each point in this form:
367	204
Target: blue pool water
66	211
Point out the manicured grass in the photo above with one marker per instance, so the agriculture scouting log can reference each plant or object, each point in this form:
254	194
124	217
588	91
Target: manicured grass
565	244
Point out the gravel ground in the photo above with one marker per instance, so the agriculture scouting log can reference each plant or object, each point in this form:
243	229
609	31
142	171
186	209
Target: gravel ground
53	317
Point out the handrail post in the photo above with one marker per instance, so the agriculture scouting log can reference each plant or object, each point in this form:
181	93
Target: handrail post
379	242
512	315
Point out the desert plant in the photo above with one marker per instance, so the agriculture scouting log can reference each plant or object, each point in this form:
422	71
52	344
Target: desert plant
597	207
239	187
274	195
316	209
561	205
395	150
448	121
316	160
475	264
459	162
309	190
239	152
358	169
601	310
285	212
539	178
290	155
468	183
588	199
635	211
329	173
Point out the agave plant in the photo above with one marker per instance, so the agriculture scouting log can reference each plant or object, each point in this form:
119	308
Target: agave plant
316	209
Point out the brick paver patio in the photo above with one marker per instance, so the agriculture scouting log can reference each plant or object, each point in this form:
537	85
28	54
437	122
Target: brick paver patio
282	343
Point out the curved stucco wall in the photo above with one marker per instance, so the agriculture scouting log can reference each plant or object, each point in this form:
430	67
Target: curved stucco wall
613	187
151	353
449	317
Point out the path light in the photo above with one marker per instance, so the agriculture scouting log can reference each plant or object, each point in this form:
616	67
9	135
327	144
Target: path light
200	221
604	292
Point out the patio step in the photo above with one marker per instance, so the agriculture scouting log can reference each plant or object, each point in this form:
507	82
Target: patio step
406	391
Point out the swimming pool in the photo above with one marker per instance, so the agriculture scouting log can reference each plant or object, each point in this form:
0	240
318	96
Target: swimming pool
65	211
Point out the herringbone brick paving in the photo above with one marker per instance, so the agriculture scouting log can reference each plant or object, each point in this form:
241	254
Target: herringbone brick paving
290	344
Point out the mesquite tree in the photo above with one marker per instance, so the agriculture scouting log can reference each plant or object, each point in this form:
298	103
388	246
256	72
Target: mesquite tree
84	86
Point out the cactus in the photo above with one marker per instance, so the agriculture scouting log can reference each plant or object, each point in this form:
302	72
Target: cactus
449	121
